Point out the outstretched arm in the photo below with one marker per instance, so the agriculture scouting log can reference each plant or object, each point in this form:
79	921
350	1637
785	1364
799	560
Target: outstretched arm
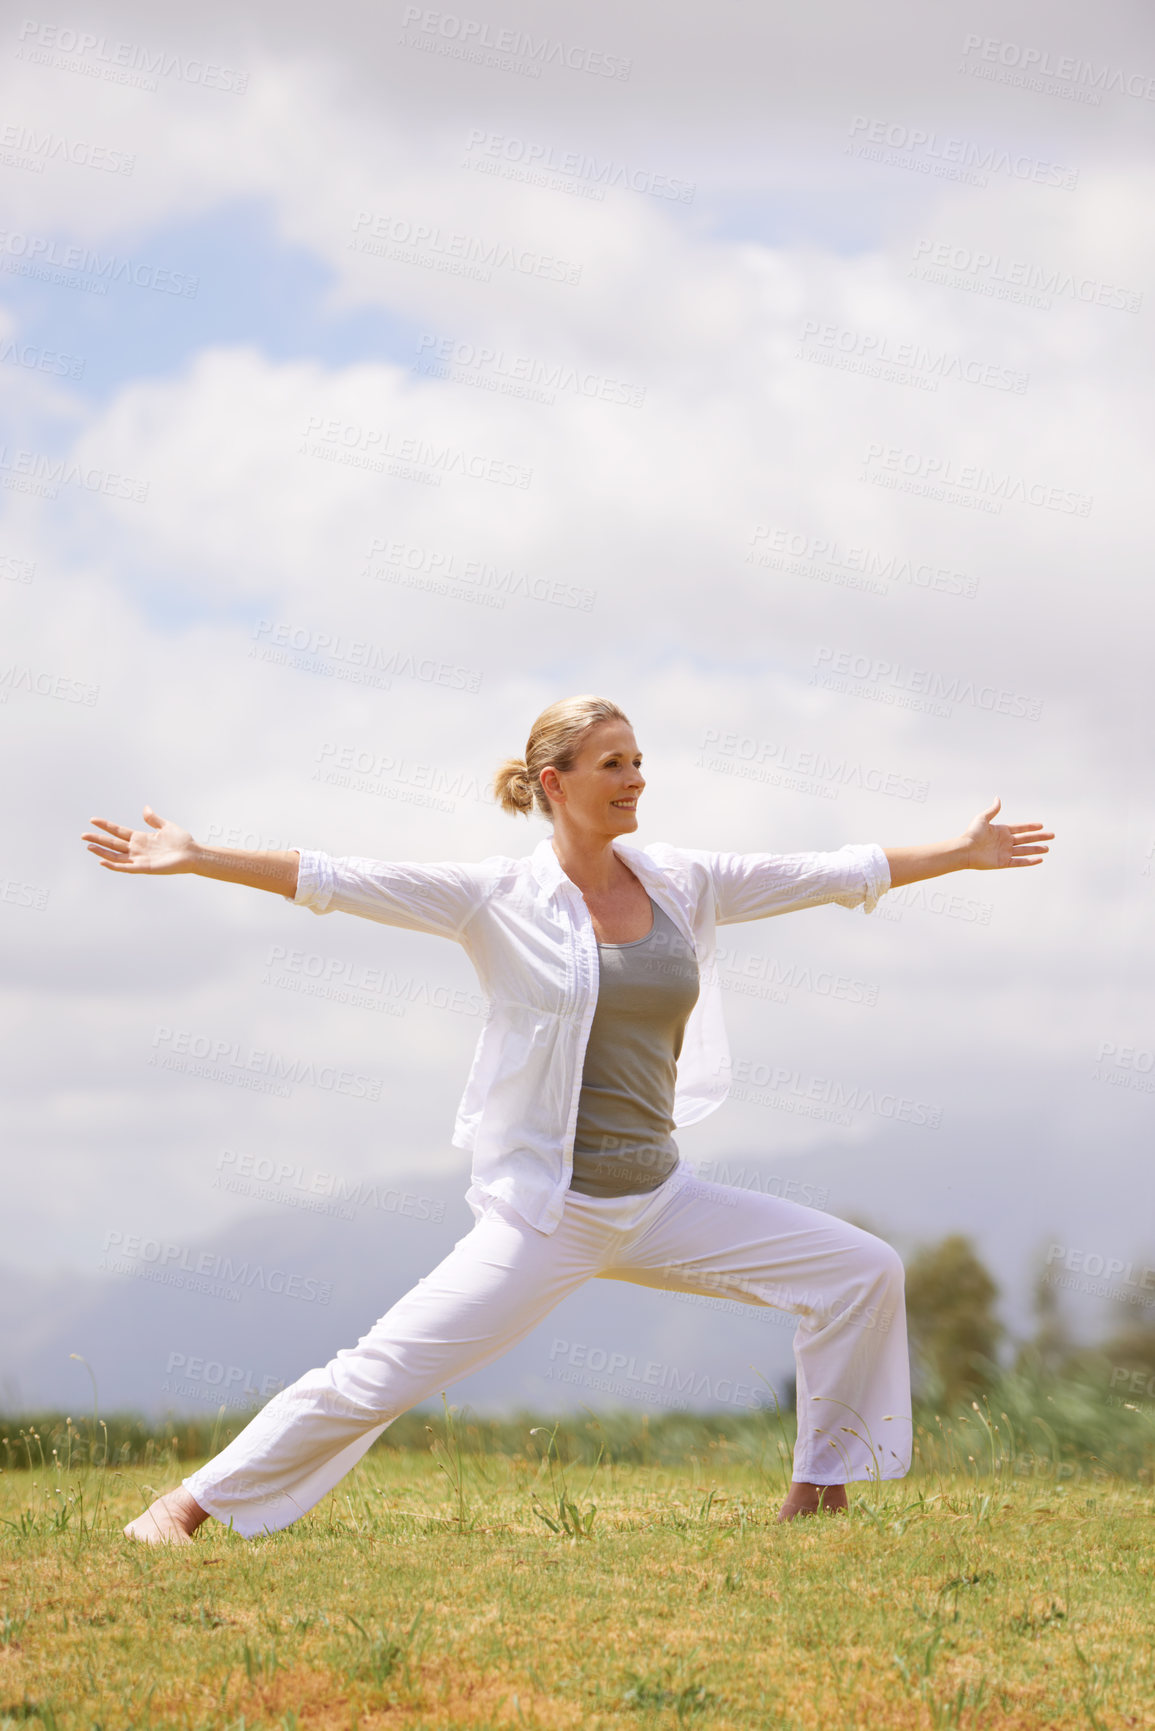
165	848
984	846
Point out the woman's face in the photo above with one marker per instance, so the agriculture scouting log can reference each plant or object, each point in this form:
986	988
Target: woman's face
600	793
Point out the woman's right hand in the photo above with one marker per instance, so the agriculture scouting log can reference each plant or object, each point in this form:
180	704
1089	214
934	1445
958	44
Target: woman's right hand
163	847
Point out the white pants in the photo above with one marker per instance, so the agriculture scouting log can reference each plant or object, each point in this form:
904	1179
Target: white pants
504	1277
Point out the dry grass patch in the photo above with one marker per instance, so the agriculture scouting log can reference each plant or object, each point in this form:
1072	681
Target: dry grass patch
408	1601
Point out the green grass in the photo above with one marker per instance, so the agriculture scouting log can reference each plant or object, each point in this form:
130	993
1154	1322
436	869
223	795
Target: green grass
608	1573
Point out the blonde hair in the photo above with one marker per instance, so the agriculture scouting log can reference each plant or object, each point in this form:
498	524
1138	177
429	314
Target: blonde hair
555	738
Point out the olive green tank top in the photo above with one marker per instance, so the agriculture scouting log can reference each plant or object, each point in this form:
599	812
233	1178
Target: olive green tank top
623	1144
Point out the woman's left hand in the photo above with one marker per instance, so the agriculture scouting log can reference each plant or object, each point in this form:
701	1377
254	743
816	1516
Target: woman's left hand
992	846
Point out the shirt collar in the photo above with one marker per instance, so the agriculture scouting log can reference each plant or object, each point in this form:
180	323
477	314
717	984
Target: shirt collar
546	866
548	872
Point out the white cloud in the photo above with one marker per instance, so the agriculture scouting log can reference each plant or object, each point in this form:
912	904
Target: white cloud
740	447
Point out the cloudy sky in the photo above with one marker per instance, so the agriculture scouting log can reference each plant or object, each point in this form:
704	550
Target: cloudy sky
374	378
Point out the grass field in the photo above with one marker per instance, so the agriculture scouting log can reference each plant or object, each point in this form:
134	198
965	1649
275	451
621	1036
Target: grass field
516	1579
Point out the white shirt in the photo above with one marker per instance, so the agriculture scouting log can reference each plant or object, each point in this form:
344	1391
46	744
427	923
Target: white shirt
527	930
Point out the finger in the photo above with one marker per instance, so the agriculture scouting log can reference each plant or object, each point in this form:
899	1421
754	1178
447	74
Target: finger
1016	827
121	847
112	828
150	817
992	809
107	853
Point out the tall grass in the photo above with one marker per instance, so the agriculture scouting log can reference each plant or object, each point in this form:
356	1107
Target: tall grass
1025	1425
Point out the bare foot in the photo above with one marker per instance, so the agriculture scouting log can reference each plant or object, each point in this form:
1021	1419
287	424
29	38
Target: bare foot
171	1520
804	1499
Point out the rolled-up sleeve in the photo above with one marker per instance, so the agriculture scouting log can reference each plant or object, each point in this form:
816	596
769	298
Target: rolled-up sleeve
439	898
751	886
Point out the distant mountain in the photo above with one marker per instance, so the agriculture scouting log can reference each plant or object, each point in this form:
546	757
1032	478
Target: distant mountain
183	1328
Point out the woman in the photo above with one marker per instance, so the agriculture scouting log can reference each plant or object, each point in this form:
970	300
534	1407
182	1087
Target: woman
605	1033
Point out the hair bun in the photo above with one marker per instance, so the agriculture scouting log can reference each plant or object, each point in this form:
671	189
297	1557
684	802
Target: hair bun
512	787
